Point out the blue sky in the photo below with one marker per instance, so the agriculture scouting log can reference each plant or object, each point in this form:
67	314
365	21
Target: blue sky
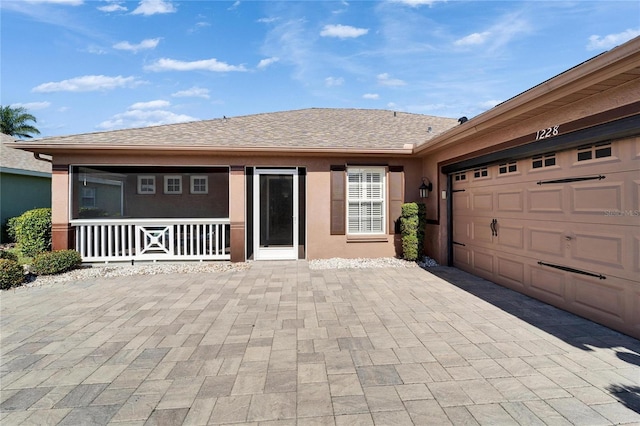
86	65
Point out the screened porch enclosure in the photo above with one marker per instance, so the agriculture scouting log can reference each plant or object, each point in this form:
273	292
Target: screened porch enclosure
150	213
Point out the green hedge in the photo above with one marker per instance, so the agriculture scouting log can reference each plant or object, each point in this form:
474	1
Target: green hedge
32	231
55	262
11	274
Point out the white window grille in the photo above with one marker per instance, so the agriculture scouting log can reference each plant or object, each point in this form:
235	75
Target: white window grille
366	200
199	185
173	184
146	184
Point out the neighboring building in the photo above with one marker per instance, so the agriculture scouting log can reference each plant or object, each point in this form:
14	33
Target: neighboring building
25	183
540	194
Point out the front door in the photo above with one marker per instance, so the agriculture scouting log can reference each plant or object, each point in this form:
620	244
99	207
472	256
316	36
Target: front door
275	209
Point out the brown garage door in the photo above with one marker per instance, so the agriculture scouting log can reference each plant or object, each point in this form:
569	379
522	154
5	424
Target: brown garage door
562	227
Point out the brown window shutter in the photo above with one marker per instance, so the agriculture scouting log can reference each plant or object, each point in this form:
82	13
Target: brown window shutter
396	195
338	200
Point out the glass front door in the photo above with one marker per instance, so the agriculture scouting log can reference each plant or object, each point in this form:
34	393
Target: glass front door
275	210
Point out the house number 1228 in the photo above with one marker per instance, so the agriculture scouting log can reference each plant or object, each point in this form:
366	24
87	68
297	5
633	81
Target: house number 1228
547	133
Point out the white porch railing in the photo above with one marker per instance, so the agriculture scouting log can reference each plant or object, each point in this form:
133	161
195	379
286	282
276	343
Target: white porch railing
104	240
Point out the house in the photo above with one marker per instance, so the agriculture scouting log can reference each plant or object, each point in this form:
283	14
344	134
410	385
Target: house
540	194
25	183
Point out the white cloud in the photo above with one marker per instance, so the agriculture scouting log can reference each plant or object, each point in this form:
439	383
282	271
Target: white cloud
153	7
385	80
166	64
32	105
112	6
194	92
151	104
333	81
371	96
473	39
61	2
149	43
264	63
343	31
498	35
88	83
96	50
143	118
267	20
612	40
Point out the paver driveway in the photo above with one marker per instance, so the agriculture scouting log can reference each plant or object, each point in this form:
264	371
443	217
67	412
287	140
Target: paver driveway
281	344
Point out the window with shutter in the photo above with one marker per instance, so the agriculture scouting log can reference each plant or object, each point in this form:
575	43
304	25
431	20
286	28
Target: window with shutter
365	200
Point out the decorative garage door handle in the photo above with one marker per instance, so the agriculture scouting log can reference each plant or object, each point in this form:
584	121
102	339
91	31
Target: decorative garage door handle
494	229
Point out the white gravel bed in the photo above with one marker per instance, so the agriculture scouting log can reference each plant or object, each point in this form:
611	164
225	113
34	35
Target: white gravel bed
125	270
340	263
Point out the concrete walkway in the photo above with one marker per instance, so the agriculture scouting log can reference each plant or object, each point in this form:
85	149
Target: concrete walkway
281	344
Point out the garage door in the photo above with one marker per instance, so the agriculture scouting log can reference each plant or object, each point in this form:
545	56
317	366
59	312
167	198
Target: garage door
563	227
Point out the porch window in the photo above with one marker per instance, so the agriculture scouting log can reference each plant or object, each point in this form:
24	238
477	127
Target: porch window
366	200
199	185
173	184
146	184
88	199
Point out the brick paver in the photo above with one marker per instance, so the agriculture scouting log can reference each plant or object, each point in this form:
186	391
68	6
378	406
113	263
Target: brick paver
279	343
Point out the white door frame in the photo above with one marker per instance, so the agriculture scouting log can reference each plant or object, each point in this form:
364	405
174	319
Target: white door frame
280	252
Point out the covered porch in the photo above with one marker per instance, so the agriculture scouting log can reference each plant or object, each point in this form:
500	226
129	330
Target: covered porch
150	213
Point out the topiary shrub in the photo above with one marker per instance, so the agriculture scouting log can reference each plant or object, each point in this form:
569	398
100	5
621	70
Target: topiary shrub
409	229
422	226
32	231
4	254
11	274
55	262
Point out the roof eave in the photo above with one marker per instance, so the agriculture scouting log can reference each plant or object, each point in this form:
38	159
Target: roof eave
52	149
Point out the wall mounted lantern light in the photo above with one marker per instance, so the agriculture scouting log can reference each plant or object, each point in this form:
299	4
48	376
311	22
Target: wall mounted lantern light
425	188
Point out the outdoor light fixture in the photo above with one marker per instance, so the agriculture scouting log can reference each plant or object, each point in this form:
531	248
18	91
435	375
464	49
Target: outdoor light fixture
425	188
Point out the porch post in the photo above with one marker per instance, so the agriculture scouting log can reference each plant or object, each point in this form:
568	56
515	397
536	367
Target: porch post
237	212
61	231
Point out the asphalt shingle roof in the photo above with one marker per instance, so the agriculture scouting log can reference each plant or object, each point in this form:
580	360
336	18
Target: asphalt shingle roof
11	158
319	128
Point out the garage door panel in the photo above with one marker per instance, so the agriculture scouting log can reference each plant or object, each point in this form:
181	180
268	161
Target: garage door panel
596	198
546	200
598	248
546	241
481	231
511	271
594	297
461	203
482	202
511	236
510	201
547	284
483	263
462	230
462	256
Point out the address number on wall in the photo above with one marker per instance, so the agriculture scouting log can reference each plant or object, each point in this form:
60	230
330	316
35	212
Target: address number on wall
548	132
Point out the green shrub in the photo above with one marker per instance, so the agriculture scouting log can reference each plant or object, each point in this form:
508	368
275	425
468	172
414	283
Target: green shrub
410	247
12	222
11	274
422	226
5	254
32	231
55	262
409	209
